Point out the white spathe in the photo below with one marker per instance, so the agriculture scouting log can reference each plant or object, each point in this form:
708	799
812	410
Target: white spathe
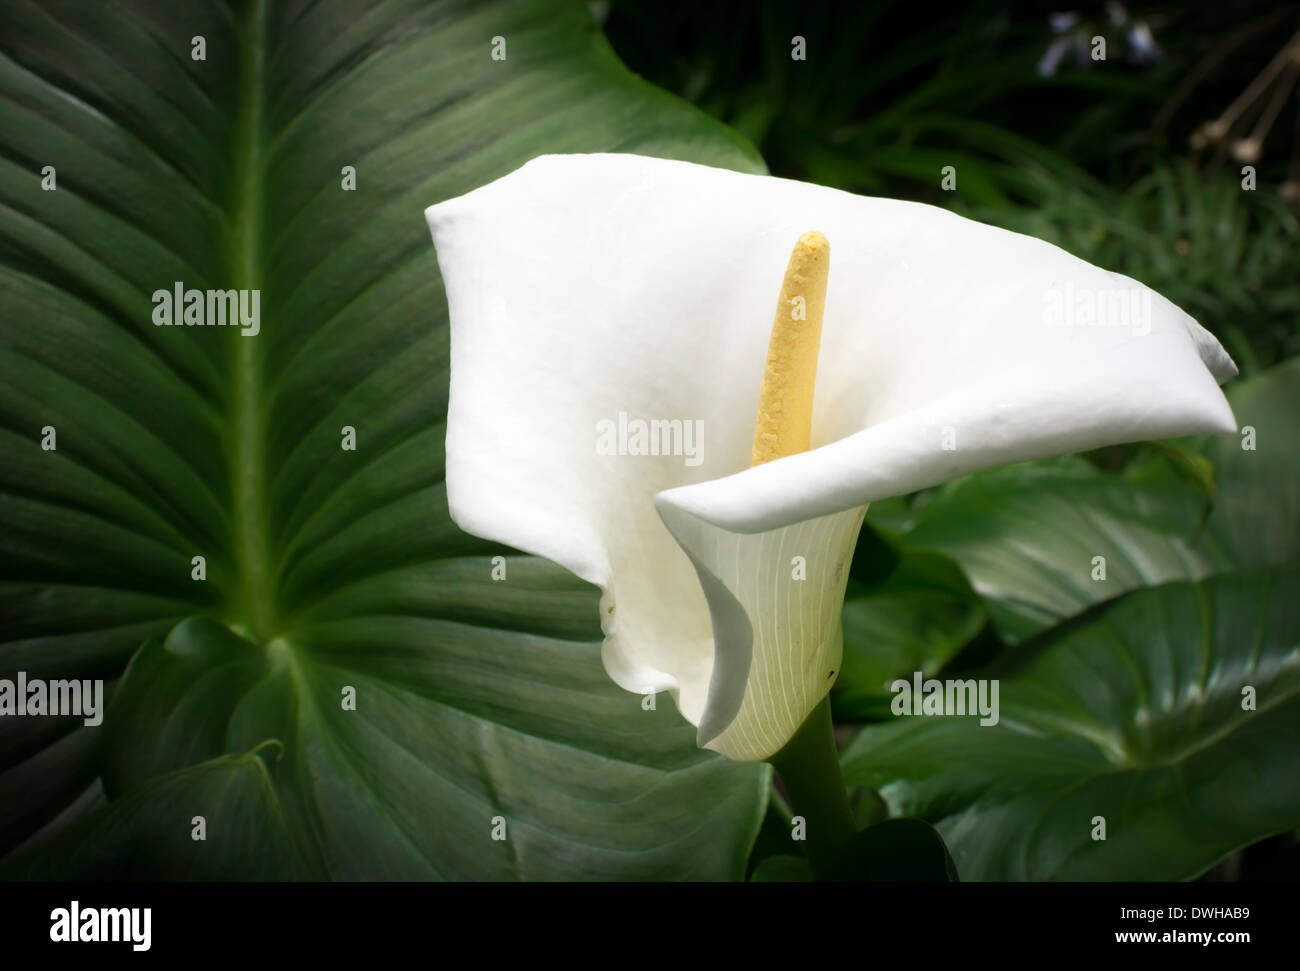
594	292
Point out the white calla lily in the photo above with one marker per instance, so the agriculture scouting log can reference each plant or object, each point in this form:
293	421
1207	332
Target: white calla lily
593	294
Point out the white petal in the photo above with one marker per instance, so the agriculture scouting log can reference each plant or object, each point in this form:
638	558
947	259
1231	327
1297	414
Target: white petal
775	599
582	287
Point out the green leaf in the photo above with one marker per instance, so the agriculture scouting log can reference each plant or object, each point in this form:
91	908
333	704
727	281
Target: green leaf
409	784
1191	466
1137	715
1028	535
867	806
1256	514
774	837
150	835
917	619
783	869
902	850
326	568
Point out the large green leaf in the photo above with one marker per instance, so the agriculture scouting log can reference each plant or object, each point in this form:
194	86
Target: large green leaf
892	851
326	568
1137	713
154	833
917	619
1029	538
1028	535
1256	513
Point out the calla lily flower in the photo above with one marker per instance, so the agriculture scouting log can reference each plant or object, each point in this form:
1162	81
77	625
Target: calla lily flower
611	328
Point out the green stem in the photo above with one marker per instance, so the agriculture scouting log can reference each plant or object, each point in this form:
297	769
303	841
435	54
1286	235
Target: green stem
809	767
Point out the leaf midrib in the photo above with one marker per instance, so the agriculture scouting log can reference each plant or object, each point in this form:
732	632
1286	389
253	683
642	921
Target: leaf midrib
255	605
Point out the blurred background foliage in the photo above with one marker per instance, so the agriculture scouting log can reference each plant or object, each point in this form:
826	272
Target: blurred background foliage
1133	162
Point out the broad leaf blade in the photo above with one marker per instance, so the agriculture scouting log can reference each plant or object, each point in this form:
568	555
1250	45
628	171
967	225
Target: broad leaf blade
220	820
1029	536
917	619
1256	513
1044	541
1138	715
325	567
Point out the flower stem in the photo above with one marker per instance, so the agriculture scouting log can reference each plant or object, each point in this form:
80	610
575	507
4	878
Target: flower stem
809	767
